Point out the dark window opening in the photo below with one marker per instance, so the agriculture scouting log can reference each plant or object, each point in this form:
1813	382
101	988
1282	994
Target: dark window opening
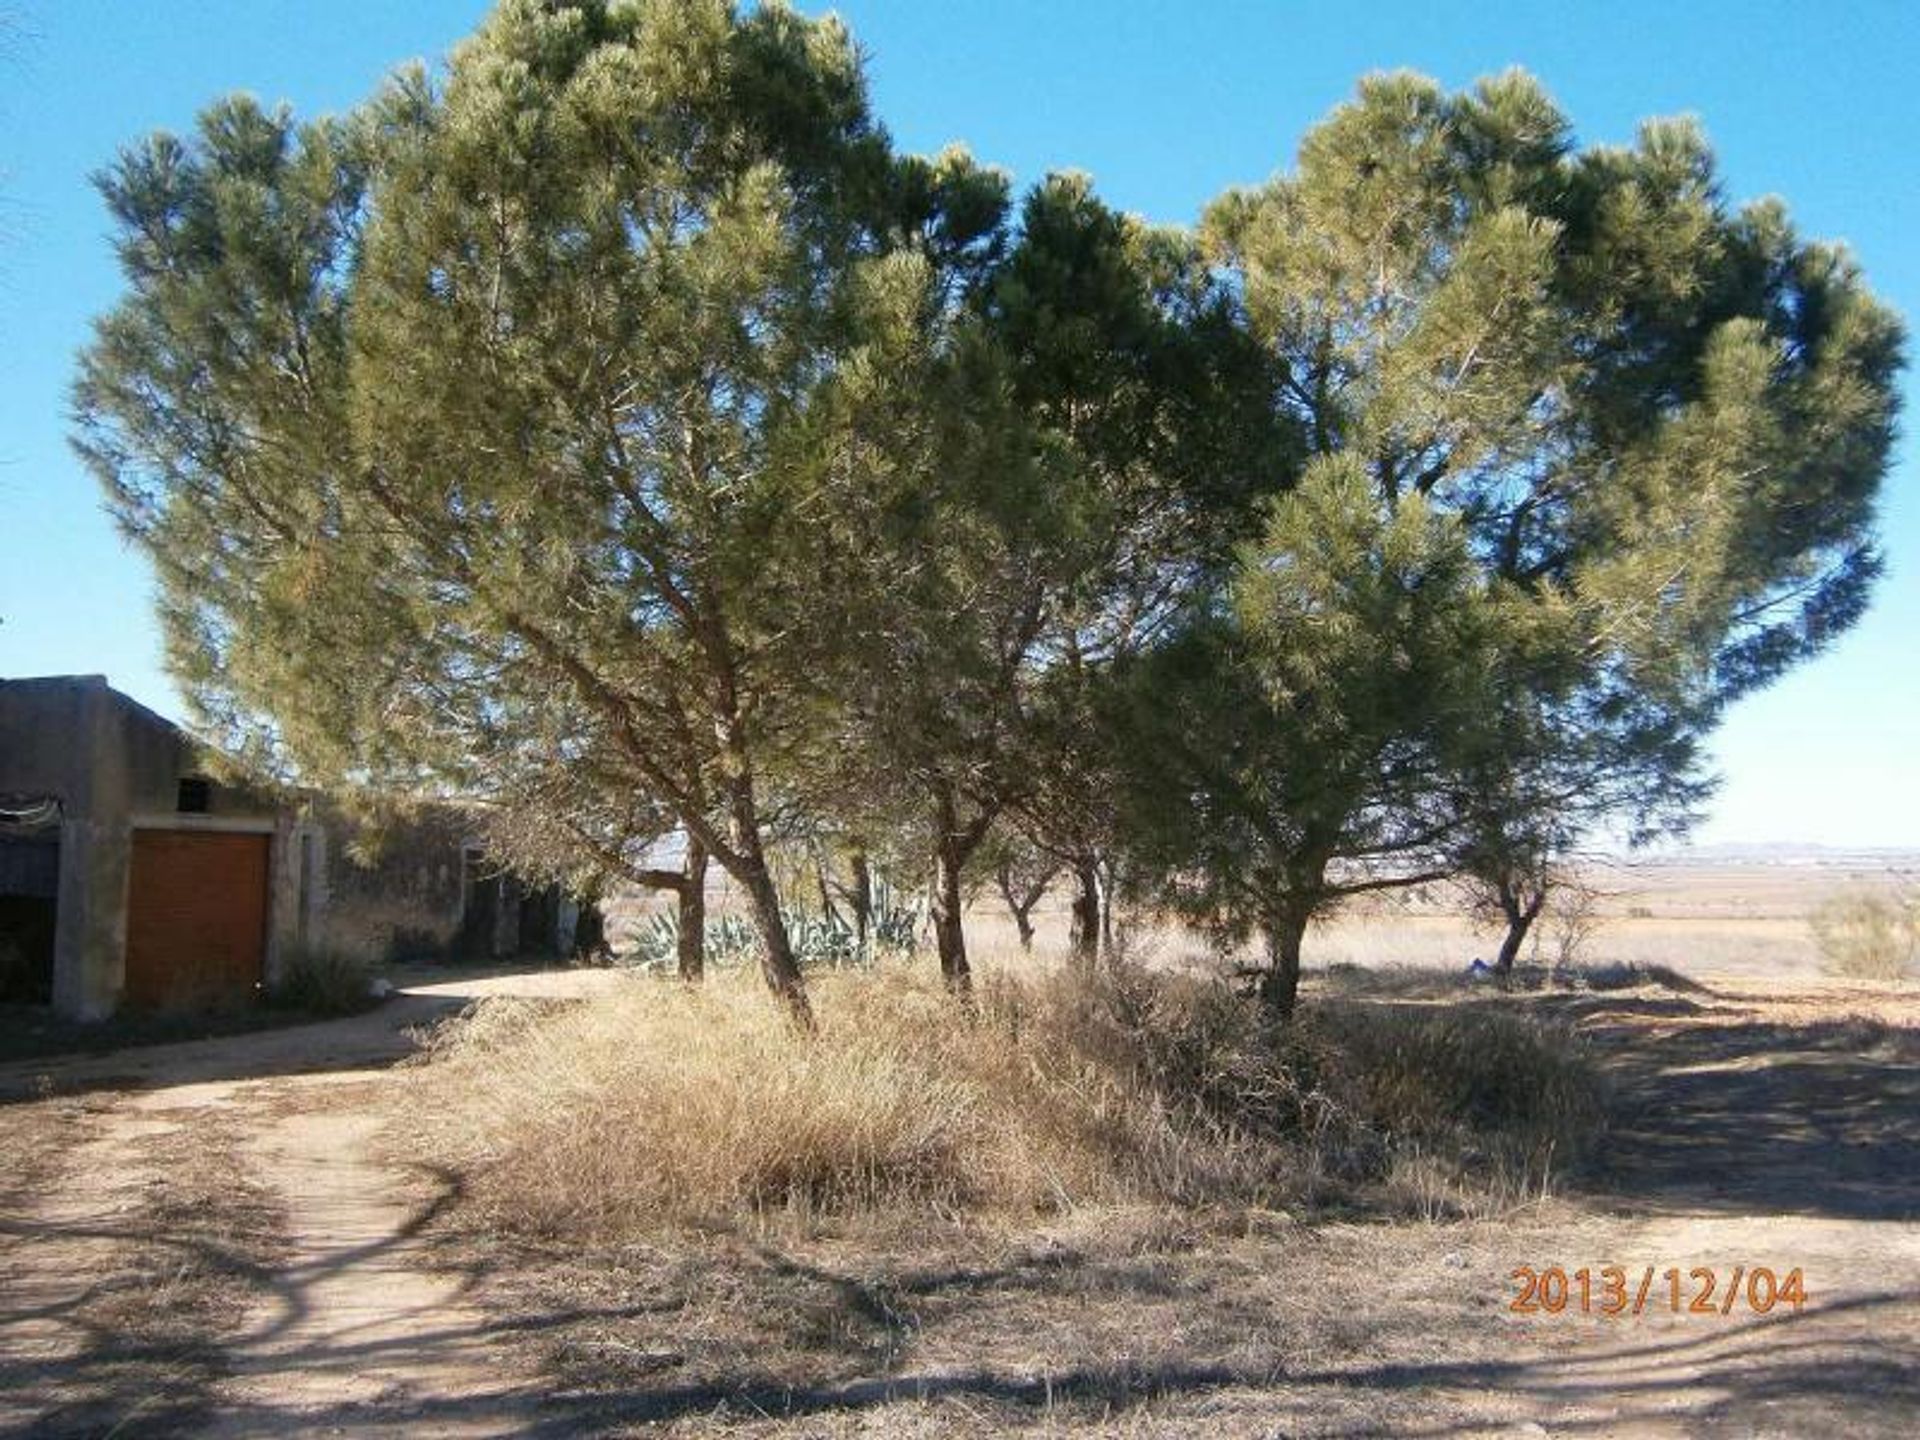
29	883
481	901
196	794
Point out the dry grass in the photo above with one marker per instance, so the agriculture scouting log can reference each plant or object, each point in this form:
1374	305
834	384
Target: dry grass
662	1104
1110	1323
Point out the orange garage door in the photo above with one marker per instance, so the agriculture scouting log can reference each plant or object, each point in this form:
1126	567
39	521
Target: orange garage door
196	917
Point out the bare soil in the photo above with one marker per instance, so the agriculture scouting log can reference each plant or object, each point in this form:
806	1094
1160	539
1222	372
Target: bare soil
230	1237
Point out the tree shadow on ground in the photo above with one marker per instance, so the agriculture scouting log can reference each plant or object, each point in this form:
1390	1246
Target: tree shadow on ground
1738	1112
1729	1381
116	1357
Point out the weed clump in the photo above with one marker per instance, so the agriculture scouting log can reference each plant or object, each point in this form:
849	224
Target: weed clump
323	982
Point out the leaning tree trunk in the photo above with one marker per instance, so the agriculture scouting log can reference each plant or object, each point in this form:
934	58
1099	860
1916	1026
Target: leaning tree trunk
692	940
1280	984
777	963
1084	938
745	859
748	864
1520	918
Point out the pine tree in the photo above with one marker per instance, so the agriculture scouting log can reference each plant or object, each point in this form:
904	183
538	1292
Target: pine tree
474	437
1288	747
1660	424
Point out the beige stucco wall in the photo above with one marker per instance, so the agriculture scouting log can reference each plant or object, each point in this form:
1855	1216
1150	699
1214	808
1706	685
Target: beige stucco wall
114	767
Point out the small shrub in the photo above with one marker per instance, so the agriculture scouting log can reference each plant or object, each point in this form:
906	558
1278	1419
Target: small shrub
1501	1091
1869	934
323	982
1630	975
1573	918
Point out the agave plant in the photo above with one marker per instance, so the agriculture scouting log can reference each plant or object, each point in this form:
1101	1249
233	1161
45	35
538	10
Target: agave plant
895	923
820	941
825	942
729	940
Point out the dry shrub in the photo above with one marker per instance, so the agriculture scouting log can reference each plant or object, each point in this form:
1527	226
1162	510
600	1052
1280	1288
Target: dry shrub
1501	1099
1400	981
669	1101
1869	934
317	981
663	1103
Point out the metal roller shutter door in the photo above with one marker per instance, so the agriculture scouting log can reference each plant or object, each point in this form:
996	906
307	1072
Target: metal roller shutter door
196	917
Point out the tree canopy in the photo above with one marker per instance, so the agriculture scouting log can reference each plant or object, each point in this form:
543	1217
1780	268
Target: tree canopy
616	432
1656	424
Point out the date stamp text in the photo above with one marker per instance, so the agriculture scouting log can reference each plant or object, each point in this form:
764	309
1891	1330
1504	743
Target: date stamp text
1614	1290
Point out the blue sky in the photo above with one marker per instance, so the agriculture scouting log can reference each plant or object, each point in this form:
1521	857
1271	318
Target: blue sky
1165	104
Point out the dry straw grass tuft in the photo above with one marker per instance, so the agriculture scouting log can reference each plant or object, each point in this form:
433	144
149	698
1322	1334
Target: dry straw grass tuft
664	1104
1869	934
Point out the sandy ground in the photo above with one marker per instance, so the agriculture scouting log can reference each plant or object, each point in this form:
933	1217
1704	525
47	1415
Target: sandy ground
358	1327
1759	1126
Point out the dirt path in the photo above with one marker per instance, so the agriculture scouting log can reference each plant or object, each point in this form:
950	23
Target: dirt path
70	1251
364	1330
1752	1134
351	1323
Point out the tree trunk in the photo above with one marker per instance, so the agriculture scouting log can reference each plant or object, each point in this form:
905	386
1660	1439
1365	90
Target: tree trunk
1280	985
590	934
954	844
693	912
1520	920
1103	874
949	934
862	898
827	910
745	859
1085	936
777	963
1020	906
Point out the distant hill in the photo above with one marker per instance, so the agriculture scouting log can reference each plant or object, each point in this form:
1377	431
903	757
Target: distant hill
1834	857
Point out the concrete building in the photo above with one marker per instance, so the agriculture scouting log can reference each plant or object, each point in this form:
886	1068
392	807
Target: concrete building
131	876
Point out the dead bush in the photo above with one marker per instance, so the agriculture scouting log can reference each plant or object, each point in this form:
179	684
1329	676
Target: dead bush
1509	1098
